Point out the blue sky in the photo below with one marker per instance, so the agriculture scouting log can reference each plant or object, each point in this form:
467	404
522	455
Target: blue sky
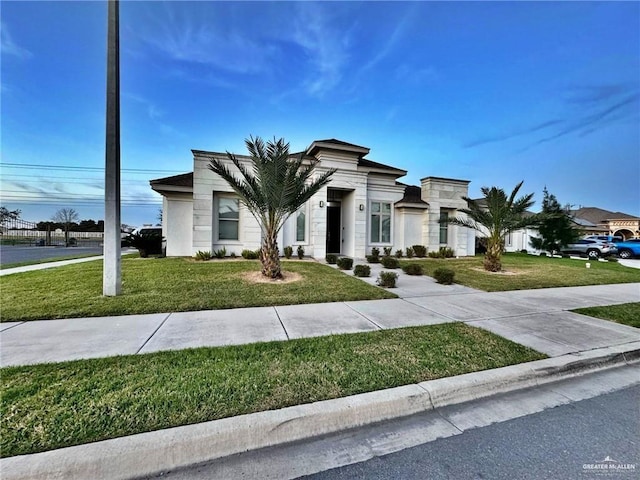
494	93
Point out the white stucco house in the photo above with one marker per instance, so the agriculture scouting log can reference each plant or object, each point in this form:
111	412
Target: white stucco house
363	206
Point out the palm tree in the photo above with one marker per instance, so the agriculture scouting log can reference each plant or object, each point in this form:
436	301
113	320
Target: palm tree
276	187
495	216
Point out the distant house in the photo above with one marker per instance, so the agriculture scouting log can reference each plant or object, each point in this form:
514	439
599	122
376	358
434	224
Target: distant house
364	206
595	221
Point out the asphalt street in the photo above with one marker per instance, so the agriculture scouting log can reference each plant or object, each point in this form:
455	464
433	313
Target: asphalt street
567	442
16	254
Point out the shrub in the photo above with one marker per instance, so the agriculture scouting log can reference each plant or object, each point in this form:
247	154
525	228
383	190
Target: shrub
375	251
444	276
345	263
300	252
203	255
434	255
331	258
250	254
288	251
387	251
146	243
373	259
73	242
413	269
362	270
221	253
445	252
390	262
399	253
232	255
387	279
420	251
410	252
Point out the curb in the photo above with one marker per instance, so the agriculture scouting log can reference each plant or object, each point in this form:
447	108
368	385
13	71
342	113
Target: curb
151	453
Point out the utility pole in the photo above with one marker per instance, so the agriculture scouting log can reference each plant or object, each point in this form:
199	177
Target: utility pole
112	275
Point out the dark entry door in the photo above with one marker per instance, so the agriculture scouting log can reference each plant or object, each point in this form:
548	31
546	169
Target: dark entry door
333	229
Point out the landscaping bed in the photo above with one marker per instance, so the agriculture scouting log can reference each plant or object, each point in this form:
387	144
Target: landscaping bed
51	406
154	285
523	272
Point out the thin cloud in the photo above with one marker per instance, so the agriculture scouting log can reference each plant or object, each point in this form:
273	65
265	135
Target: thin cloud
589	94
507	136
9	47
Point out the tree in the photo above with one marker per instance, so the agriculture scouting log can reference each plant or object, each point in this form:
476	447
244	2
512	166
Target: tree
275	187
496	215
554	226
6	215
66	216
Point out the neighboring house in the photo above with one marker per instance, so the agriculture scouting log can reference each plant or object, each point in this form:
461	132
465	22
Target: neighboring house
596	221
363	206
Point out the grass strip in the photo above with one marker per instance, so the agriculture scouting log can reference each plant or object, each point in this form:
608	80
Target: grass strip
50	406
152	285
523	272
626	313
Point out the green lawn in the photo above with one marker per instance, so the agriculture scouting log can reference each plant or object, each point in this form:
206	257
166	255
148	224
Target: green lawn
627	313
56	405
528	271
170	285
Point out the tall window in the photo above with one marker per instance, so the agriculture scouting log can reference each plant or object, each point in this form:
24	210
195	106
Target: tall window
228	218
380	222
444	227
301	226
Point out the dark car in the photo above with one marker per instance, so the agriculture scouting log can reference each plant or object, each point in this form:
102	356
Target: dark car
591	248
629	248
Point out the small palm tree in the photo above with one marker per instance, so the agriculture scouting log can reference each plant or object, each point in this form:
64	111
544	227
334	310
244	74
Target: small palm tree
276	187
495	216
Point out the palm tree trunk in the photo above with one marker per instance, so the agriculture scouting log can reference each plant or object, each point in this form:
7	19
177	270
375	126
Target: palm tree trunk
270	258
492	257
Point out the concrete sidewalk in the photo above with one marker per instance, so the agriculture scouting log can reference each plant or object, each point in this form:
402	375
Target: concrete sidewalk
536	318
54	264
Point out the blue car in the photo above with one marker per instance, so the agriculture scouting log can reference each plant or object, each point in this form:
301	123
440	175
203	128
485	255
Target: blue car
629	248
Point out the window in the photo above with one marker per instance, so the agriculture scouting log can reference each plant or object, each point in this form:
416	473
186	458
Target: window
228	218
508	239
444	227
301	226
380	222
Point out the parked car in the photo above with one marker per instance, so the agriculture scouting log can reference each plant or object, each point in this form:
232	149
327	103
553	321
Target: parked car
629	248
148	240
591	248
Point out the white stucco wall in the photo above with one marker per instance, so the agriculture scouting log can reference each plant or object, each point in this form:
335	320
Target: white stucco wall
177	225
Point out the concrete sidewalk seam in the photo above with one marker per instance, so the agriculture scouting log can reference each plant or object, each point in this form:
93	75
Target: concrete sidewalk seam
275	309
153	333
379	327
151	453
13	326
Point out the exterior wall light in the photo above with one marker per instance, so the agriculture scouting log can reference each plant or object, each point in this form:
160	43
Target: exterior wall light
321	204
362	207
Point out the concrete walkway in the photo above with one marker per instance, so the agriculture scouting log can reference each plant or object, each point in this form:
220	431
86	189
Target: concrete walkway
535	318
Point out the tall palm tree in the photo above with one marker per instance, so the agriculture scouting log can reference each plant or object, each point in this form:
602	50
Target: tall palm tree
495	216
276	187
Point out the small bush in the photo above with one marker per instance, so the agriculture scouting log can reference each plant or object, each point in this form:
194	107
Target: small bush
445	252
288	251
221	253
413	269
390	262
300	252
409	252
420	251
331	258
362	270
399	253
434	255
444	276
232	255
73	242
375	251
203	255
345	263
250	254
387	279
146	243
373	259
387	251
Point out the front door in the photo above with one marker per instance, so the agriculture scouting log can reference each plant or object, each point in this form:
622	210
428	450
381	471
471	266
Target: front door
334	230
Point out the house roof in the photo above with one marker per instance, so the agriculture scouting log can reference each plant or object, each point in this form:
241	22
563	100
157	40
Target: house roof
598	215
176	183
412	198
334	144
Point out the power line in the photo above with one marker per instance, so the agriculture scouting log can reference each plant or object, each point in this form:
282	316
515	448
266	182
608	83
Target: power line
80	168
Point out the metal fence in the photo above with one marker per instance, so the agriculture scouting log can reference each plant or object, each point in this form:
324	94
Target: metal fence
21	232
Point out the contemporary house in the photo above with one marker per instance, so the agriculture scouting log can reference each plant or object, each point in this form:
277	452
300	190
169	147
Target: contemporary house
363	206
